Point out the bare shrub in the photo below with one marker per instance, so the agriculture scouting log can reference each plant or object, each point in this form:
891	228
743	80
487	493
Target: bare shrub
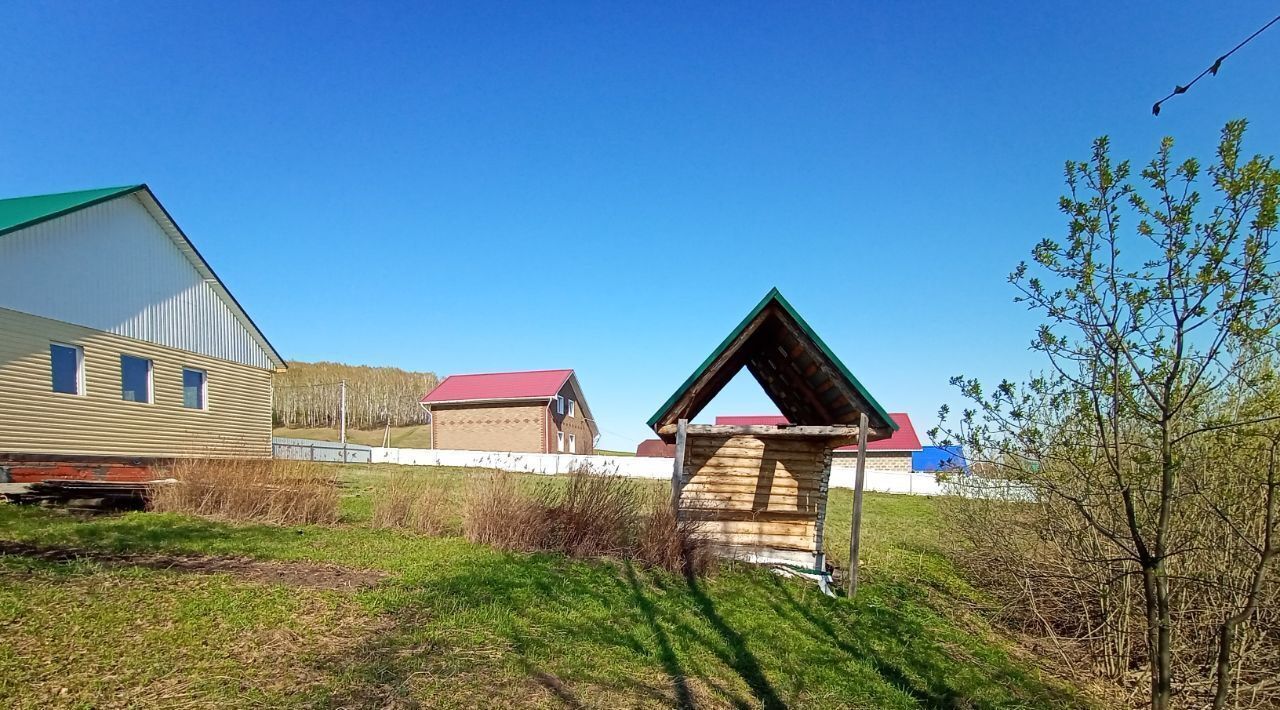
592	515
268	491
1150	439
410	501
585	514
498	512
665	542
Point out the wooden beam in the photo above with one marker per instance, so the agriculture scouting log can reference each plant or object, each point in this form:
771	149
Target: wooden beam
769	431
855	530
854	398
677	475
714	378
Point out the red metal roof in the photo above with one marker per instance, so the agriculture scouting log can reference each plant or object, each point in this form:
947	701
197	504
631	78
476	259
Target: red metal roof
533	384
752	419
904	439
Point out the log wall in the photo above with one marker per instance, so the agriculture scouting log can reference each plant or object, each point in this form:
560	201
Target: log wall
758	498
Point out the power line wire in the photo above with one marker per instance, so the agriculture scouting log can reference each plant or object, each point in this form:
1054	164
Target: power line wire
1213	69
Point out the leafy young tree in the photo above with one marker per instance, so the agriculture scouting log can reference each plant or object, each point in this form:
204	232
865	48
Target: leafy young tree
1160	311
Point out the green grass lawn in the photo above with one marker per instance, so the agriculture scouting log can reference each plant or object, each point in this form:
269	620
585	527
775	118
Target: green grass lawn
455	624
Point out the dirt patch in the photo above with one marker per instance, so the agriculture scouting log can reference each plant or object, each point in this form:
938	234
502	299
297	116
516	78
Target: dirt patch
294	574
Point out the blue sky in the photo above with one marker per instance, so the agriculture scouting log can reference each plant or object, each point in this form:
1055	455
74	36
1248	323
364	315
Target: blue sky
473	187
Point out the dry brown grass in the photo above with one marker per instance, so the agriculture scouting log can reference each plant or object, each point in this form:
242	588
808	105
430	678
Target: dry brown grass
267	491
498	512
411	502
665	542
589	515
592	515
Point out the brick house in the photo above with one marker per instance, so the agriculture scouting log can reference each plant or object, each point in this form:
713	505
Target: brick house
541	411
891	454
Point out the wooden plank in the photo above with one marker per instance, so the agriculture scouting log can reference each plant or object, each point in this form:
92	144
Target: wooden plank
750	516
710	527
720	514
747	444
768	471
775	490
785	542
742	477
755	441
773	432
811	457
813	474
746	503
753	482
753	457
760	493
773	497
745	467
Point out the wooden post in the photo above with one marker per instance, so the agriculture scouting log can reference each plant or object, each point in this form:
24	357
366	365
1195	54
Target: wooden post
855	531
677	474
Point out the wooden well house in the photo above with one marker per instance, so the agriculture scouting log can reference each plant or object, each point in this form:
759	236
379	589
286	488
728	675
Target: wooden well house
760	492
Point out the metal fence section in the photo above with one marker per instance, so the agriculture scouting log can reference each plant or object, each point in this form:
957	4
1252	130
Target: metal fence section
316	450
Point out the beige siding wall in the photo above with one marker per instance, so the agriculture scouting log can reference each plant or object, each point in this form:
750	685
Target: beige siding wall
876	460
478	427
35	419
575	425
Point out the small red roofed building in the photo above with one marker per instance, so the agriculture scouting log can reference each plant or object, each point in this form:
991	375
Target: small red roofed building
891	454
540	411
656	448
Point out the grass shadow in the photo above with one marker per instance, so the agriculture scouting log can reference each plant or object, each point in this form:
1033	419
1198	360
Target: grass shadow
666	654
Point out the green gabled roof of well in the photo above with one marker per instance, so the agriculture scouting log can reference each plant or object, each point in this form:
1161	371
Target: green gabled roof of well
22	212
774	296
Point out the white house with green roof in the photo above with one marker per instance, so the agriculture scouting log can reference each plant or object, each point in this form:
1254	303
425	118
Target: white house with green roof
118	342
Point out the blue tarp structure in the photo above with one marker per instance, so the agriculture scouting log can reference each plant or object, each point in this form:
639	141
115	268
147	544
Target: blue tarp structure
939	458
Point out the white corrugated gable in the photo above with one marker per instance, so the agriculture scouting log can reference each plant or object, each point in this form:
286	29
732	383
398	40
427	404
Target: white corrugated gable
112	267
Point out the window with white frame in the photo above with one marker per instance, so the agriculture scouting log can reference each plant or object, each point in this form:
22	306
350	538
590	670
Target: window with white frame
559	404
135	379
195	385
66	368
573	443
573	408
560	441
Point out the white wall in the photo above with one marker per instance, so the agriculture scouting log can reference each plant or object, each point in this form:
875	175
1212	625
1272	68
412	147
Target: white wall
112	267
661	468
635	466
924	484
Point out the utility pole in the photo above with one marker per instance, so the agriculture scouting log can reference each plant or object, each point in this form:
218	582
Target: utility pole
855	531
342	417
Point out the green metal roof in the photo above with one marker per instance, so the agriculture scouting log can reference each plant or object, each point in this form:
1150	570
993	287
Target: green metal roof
21	212
774	296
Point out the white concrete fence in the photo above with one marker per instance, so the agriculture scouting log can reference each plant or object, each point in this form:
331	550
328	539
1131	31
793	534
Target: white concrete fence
656	467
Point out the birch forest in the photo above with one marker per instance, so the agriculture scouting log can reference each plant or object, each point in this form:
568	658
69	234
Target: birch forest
307	395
